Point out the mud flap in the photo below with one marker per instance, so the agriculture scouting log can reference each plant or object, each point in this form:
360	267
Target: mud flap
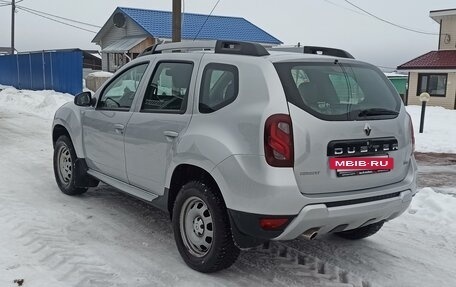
82	178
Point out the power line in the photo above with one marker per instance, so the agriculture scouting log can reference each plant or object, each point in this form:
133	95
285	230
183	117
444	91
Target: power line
61	22
9	2
58	17
389	22
205	21
345	8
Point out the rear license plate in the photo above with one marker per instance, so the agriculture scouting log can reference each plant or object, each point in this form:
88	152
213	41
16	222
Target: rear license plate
351	166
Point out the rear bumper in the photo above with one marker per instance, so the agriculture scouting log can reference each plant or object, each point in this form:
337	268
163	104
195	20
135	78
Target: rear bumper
248	184
318	217
246	228
255	190
335	219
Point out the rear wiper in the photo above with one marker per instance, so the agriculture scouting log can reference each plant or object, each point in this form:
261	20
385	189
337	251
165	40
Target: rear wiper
377	112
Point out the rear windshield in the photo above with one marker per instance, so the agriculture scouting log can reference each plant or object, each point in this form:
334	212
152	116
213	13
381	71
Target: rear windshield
339	92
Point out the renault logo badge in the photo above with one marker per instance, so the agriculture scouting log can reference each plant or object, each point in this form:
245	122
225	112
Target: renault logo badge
367	129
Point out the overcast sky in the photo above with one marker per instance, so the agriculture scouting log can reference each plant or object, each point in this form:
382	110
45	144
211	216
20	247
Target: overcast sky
311	22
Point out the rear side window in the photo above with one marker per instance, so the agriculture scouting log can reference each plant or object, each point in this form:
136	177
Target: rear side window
219	87
340	92
168	88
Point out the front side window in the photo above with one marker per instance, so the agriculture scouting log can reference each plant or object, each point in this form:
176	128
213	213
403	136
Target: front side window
119	94
219	87
434	84
168	88
335	91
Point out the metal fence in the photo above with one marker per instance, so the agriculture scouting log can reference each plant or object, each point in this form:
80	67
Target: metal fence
47	70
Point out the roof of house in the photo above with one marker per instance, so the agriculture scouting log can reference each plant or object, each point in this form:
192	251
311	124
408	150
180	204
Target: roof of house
445	59
5	50
158	24
437	15
123	45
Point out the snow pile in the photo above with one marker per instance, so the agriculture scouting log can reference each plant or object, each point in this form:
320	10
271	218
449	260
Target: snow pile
395	74
39	103
439	129
434	207
101	74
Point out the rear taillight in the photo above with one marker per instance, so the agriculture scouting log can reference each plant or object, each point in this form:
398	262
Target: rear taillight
413	133
273	223
278	141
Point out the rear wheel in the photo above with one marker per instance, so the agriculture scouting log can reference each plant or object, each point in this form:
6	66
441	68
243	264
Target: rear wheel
65	167
362	232
202	229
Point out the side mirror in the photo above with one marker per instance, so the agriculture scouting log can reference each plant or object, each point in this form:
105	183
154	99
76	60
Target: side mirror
83	99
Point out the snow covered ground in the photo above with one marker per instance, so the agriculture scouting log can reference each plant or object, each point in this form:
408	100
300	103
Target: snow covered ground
439	134
105	238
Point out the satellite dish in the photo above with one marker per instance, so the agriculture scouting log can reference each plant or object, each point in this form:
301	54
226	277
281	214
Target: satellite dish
119	20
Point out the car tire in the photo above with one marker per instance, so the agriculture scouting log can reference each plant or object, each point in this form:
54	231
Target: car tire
362	232
65	168
202	228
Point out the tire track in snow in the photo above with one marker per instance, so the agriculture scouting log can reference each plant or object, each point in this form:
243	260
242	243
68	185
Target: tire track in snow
72	264
276	262
53	250
286	266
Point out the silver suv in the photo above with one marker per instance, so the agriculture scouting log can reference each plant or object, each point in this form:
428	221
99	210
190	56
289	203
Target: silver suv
242	145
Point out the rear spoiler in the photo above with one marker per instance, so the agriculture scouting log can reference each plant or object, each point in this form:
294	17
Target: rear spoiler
316	51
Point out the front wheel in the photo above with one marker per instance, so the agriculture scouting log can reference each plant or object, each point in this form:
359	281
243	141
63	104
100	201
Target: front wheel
202	229
362	232
65	167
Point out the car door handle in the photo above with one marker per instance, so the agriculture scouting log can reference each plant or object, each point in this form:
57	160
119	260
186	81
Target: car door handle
119	128
171	134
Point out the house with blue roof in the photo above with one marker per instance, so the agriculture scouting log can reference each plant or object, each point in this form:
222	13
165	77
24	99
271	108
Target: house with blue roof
129	31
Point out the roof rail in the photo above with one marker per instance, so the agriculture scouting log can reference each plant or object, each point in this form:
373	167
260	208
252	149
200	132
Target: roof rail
327	51
218	46
317	51
240	48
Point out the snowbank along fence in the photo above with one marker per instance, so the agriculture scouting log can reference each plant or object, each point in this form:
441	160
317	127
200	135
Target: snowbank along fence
46	70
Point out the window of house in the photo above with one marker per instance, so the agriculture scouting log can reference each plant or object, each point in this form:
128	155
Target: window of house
119	94
434	84
219	87
169	88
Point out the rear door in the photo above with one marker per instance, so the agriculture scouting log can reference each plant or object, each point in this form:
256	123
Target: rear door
344	110
104	126
161	118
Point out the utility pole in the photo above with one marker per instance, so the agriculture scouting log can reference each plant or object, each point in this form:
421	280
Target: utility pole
13	20
177	20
